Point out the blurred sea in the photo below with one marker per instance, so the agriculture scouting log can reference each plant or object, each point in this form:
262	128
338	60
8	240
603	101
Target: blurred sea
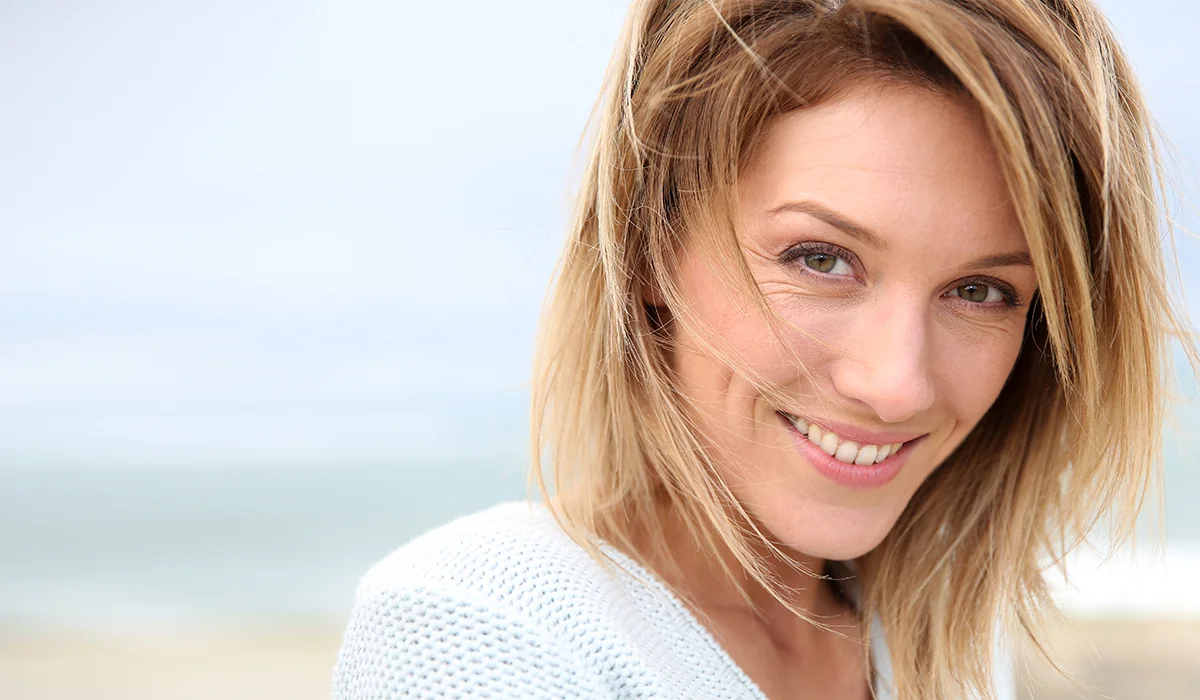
112	550
118	550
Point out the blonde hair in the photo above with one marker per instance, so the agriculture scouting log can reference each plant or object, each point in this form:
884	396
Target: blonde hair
1073	438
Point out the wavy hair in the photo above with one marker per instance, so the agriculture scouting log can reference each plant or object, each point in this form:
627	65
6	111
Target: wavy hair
1073	439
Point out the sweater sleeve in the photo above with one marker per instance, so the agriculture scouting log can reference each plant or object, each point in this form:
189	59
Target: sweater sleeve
423	643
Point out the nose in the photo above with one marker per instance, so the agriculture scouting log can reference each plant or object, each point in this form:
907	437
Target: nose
885	364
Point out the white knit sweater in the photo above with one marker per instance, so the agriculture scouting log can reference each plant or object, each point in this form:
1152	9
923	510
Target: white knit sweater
503	604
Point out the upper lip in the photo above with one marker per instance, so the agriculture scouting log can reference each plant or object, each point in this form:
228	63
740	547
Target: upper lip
862	436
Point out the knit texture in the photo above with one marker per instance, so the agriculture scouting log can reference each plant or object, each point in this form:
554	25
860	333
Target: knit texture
503	604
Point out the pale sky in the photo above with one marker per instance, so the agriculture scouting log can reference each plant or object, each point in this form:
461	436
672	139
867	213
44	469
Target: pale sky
311	232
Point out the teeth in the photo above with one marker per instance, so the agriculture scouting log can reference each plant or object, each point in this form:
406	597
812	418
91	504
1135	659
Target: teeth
845	451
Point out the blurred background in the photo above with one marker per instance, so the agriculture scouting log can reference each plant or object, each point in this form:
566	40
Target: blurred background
268	288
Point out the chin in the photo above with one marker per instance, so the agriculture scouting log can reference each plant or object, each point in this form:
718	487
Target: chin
839	533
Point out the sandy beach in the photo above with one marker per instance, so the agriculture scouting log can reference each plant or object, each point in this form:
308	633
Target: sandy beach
1117	659
296	665
1120	659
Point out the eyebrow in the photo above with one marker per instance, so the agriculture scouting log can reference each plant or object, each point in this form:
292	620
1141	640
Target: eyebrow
832	218
865	234
1002	260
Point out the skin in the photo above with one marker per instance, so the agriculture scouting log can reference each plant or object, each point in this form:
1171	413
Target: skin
889	336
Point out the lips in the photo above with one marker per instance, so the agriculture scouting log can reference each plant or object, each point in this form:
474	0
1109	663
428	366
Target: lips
848	462
841	448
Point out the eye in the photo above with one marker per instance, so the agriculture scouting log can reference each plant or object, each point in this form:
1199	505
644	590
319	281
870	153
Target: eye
981	293
822	259
827	263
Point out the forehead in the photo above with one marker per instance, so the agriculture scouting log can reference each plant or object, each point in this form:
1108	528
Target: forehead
909	164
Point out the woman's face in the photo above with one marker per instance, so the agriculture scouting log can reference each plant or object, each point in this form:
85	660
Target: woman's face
879	228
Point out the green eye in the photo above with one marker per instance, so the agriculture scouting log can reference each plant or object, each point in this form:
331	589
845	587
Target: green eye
820	258
821	262
978	293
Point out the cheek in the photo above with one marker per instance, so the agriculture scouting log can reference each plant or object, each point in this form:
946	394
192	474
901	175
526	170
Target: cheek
737	336
717	375
812	330
973	368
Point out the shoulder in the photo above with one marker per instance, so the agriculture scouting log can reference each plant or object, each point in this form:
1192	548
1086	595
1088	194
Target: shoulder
503	603
496	553
475	606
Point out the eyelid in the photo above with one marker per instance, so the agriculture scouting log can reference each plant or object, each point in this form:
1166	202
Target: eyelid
1012	297
803	248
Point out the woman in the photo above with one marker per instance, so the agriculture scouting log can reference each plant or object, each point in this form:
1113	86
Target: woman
861	322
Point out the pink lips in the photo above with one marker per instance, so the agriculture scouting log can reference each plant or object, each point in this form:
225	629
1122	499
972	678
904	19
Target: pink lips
852	475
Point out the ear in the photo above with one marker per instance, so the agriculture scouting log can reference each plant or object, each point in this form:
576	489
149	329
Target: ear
650	294
654	304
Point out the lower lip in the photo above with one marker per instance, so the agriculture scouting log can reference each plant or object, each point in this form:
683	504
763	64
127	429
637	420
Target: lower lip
852	475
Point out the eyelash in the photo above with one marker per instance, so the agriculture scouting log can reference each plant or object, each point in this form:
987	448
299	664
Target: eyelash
1012	299
796	254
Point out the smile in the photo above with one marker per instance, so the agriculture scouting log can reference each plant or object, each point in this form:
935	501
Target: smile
842	449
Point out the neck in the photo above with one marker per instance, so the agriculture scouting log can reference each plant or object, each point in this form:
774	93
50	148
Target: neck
715	581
